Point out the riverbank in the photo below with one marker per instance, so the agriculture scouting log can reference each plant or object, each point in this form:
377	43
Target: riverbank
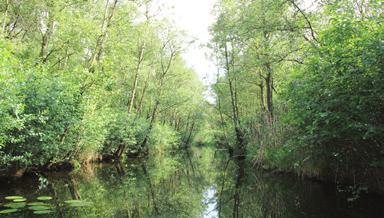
368	181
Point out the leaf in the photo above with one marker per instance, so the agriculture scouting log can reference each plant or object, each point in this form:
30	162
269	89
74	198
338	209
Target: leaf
44	198
39	207
37	204
8	211
13	197
15	205
42	211
20	200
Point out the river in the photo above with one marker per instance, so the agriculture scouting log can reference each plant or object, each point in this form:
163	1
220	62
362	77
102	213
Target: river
198	183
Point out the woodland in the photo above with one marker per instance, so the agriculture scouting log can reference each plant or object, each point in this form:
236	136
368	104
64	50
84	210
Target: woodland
299	88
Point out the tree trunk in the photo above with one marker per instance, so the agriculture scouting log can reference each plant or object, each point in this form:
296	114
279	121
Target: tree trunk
96	55
262	104
190	134
139	107
153	117
46	35
165	67
119	152
236	120
4	25
269	86
140	59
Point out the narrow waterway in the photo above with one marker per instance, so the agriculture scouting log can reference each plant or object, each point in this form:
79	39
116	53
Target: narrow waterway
198	183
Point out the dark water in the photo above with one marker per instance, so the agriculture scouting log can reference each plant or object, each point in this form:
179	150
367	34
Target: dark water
194	184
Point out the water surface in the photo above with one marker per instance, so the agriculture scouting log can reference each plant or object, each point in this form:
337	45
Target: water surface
192	184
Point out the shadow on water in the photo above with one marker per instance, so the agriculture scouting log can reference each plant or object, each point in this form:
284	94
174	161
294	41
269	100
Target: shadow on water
245	192
191	184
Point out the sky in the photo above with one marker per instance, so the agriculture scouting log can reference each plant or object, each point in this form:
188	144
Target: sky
194	17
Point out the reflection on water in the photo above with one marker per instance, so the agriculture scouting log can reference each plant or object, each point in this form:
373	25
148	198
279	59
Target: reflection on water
210	201
192	184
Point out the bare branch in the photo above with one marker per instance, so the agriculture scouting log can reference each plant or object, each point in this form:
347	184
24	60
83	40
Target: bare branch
306	19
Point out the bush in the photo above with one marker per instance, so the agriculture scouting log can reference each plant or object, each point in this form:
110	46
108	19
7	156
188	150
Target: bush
163	139
336	98
126	130
38	118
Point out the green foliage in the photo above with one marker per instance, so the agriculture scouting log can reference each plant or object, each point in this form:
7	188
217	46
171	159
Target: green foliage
336	98
36	118
124	130
304	86
81	79
163	139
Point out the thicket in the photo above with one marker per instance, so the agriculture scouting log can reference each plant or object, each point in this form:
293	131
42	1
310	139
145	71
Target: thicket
85	79
300	86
